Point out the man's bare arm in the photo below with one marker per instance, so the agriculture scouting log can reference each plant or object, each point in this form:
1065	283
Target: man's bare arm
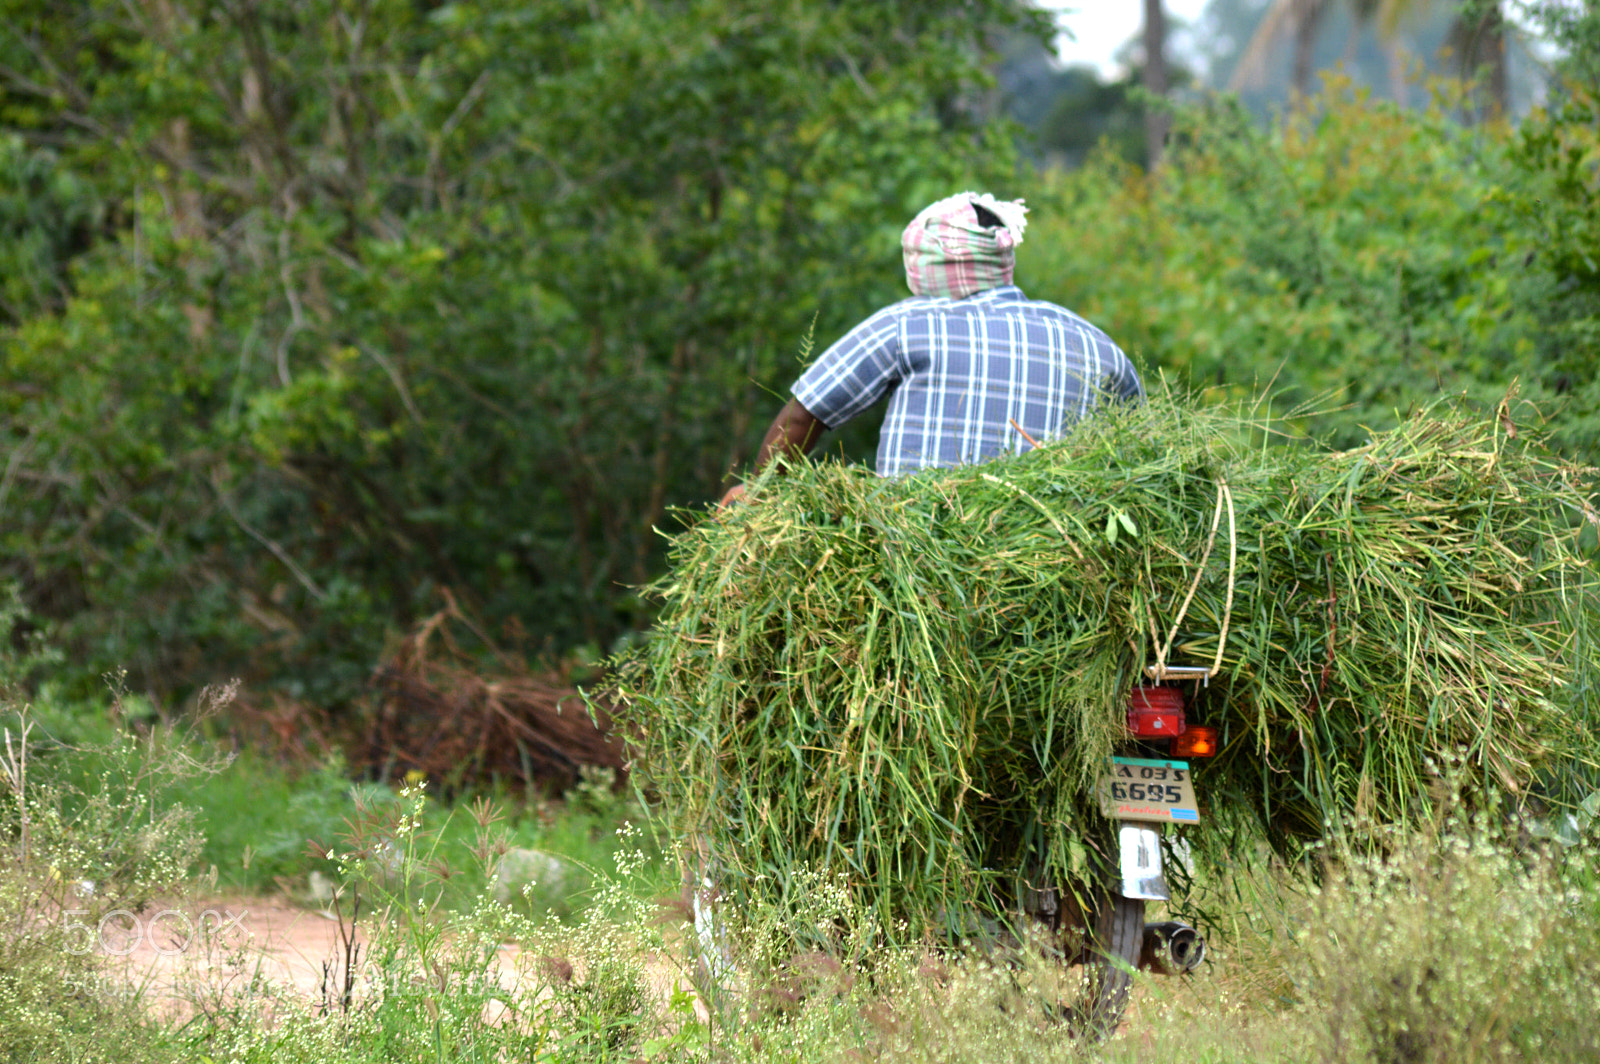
793	432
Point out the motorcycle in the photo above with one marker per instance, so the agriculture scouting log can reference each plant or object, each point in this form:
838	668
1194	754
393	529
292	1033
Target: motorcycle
1147	787
1096	932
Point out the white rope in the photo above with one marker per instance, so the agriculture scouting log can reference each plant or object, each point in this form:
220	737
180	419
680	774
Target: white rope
1160	670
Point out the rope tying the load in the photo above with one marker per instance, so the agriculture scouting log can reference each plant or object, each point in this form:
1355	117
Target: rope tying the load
1160	670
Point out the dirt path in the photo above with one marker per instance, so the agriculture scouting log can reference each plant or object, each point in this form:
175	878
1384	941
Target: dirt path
192	951
173	949
209	951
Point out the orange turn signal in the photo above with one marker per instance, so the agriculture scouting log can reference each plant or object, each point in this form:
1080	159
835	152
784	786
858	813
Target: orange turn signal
1197	740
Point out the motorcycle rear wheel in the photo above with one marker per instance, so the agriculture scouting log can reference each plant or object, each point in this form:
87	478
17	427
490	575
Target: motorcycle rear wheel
1112	938
1098	950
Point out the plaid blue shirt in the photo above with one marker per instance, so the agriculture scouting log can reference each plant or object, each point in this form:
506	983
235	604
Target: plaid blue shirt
962	370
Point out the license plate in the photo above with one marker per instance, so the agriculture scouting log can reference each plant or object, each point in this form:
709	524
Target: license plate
1140	789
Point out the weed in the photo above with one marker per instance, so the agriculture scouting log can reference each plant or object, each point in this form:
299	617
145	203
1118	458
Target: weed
1454	945
1458	947
82	861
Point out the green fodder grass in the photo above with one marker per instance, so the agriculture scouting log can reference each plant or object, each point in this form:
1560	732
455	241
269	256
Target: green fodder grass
915	681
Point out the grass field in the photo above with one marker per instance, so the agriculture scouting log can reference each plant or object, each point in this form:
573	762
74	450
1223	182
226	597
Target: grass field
1477	941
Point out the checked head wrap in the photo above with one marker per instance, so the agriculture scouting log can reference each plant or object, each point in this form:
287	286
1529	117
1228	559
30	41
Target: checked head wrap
963	245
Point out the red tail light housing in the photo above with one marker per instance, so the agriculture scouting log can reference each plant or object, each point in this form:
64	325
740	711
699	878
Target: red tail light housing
1155	712
1197	740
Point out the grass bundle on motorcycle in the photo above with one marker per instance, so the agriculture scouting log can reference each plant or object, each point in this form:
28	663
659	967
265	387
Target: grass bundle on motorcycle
916	681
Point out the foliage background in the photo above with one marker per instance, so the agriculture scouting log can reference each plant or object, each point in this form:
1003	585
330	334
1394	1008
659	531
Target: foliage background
313	307
1357	257
310	308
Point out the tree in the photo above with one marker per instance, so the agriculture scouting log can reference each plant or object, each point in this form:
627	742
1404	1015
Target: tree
1298	19
1070	112
1354	259
1476	37
393	296
1575	28
1156	120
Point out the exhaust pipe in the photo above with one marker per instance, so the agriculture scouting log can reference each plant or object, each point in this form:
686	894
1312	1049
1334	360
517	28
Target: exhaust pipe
1171	948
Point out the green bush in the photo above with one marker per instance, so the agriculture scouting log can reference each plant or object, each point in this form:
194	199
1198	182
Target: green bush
1359	258
1460	948
459	294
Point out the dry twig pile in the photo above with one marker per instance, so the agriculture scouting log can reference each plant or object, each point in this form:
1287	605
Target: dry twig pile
437	713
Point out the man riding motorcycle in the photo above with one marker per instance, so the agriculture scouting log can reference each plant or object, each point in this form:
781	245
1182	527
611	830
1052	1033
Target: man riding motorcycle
973	368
